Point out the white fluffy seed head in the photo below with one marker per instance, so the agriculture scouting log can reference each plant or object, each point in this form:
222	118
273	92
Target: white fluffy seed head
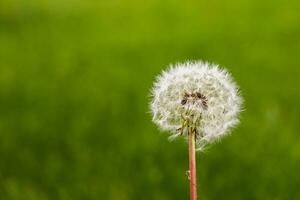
198	95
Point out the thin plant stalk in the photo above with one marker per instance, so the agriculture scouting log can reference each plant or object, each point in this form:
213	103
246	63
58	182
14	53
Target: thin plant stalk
192	165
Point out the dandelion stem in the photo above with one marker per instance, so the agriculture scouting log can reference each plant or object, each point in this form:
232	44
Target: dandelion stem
192	164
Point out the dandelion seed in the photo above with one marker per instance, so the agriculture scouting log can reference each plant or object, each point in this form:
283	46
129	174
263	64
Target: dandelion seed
200	94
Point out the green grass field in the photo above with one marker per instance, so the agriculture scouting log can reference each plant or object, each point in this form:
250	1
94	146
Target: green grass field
74	93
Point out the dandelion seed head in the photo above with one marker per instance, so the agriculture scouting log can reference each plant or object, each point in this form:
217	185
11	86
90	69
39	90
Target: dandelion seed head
197	93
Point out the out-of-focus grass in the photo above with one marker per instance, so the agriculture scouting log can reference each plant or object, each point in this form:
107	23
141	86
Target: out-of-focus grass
74	92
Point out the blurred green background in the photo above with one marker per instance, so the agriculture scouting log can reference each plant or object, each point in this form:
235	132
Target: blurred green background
74	92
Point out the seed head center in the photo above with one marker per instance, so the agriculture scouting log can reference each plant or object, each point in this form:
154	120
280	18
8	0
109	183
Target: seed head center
195	97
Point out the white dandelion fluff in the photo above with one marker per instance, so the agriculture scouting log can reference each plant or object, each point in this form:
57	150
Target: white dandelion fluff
198	95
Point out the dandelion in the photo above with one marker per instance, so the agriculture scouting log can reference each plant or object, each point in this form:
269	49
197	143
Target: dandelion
198	101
